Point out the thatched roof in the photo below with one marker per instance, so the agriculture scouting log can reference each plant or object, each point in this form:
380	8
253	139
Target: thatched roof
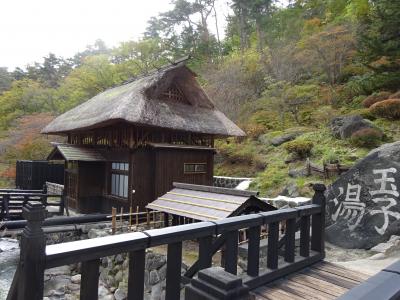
141	102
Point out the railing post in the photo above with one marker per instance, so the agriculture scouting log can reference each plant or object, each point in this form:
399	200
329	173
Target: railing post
205	255
90	280
272	251
318	220
32	256
6	201
62	204
174	265
231	251
253	256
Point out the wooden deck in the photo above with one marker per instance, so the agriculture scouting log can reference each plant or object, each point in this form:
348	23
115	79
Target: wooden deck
321	281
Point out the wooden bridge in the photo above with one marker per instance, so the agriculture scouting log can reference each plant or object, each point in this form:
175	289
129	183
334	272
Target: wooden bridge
291	272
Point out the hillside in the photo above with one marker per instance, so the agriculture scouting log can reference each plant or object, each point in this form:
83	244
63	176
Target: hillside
23	141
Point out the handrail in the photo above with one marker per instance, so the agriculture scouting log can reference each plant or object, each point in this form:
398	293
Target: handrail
36	256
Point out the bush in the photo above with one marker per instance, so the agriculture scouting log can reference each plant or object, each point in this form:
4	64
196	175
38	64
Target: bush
367	137
301	148
395	95
389	109
375	98
254	130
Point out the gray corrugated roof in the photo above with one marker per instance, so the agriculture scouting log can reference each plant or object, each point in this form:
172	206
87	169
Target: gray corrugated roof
139	102
200	204
75	153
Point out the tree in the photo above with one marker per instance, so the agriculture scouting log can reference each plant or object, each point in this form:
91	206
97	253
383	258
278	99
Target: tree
184	29
5	80
328	51
380	37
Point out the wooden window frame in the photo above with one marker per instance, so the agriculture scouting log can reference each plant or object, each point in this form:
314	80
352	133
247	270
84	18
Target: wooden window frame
195	165
120	173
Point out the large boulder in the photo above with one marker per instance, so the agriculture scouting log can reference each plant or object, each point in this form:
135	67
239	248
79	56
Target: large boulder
343	127
279	140
363	205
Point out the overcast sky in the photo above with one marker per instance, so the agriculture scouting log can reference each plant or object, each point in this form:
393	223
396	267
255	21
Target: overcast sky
30	29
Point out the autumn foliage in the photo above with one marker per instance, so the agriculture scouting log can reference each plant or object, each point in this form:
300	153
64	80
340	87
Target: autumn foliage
375	98
366	137
389	109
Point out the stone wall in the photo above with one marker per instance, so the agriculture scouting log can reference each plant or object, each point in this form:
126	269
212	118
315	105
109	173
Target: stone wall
229	182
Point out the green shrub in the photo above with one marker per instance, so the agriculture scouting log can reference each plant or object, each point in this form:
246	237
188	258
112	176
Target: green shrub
375	98
367	137
389	109
301	148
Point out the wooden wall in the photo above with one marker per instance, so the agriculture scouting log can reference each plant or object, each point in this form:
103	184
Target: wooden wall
169	167
91	186
151	174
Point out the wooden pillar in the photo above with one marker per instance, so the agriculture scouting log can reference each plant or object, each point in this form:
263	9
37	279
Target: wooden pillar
32	255
318	220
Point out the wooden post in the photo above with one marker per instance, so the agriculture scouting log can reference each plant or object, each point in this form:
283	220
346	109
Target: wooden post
231	254
148	217
32	255
166	219
121	219
130	217
318	220
90	280
174	264
136	274
6	200
113	219
137	215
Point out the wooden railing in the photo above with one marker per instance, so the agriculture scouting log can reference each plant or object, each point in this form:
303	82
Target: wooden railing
35	256
12	202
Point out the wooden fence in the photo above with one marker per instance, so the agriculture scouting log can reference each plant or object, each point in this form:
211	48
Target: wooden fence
326	170
36	256
12	202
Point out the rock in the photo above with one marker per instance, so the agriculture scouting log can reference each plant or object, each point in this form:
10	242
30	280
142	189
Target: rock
154	277
284	202
343	127
154	261
120	294
118	276
162	272
389	247
76	278
290	190
63	270
294	173
119	259
156	292
363	207
285	138
8	244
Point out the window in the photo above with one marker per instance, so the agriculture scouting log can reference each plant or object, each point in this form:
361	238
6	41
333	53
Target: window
119	179
194	168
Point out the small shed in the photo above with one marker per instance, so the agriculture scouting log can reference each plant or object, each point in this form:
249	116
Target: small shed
208	203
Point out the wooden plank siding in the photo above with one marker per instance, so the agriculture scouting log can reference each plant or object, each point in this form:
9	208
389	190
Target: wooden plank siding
169	168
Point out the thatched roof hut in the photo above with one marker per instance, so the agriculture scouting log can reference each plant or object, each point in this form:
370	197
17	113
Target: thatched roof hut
169	98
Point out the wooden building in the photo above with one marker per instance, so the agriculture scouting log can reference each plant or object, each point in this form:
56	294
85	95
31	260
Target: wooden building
127	145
